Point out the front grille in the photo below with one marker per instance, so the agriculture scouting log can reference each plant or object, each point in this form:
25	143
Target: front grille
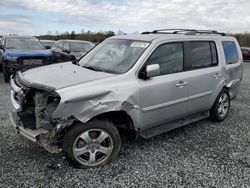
44	60
31	62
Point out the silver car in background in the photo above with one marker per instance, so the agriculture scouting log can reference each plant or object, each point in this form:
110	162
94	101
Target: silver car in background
77	48
127	86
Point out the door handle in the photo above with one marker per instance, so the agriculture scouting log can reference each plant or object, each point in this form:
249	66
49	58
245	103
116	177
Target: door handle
217	75
181	84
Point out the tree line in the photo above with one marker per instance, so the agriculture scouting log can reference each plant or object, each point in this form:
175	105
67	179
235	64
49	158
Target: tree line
89	36
243	39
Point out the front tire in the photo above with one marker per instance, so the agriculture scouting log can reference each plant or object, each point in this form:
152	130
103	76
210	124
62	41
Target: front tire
93	144
221	106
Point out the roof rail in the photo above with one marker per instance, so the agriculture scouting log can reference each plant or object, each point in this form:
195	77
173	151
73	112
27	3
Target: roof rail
185	31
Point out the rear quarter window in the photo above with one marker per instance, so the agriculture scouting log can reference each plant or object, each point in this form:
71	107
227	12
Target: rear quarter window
230	51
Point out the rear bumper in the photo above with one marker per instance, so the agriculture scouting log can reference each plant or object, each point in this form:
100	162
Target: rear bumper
28	133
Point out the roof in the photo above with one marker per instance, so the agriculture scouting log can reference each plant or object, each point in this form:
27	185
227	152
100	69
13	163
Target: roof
181	34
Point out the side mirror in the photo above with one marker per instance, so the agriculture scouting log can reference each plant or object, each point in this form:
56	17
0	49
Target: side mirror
152	70
1	47
47	47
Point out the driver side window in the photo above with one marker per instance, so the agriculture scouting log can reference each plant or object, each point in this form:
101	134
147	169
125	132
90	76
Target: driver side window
169	56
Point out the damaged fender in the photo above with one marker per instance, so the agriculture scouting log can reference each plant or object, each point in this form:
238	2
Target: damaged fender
84	105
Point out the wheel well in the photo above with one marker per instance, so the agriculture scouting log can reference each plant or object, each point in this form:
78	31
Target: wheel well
122	122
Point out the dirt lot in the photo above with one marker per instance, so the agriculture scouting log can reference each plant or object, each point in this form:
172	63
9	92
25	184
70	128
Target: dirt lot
203	154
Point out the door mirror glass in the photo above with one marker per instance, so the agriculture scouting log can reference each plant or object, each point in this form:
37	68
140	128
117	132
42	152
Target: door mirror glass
1	46
152	70
47	47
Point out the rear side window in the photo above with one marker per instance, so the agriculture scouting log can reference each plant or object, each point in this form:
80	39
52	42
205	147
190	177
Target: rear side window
203	54
230	51
169	56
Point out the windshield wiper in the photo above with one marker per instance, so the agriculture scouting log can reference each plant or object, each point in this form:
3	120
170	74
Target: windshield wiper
93	68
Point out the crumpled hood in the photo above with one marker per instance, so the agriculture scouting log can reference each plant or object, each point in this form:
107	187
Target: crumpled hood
27	52
61	75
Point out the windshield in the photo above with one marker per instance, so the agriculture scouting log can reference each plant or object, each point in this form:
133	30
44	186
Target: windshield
23	43
80	47
114	56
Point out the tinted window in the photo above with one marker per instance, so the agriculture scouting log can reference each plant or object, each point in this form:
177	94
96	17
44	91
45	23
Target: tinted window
230	51
169	57
203	54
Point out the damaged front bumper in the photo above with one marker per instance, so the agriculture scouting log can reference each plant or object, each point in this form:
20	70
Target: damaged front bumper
39	136
28	133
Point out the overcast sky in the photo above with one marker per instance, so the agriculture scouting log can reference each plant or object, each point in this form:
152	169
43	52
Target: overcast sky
34	17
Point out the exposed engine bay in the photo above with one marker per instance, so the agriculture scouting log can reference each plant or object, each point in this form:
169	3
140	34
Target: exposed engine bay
35	114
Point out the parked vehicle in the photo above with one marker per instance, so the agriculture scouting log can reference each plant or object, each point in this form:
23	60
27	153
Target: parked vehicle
22	52
58	56
48	44
77	48
246	53
127	86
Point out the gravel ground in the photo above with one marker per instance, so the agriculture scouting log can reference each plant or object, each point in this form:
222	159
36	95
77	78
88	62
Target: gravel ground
203	154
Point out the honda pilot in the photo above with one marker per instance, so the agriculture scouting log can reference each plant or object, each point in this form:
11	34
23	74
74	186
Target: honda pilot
127	86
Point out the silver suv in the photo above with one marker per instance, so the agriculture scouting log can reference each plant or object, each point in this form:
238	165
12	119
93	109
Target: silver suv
127	86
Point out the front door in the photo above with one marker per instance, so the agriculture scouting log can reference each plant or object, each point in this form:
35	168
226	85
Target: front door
164	98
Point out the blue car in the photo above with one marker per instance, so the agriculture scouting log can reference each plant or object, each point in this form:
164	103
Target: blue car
19	53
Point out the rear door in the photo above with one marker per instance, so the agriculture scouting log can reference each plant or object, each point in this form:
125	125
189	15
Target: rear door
205	75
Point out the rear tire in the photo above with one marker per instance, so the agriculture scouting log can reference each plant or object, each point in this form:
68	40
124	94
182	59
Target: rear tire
93	144
6	75
220	109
